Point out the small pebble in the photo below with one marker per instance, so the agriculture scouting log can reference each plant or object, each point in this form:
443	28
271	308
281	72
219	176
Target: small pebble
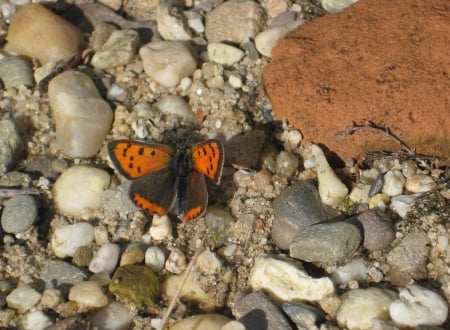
378	233
418	307
58	273
10	145
82	256
244	151
36	320
22	298
266	40
402	204
132	255
88	293
304	316
287	164
219	223
106	258
66	240
171	23
393	183
114	316
418	183
51	298
174	105
202	322
16	71
224	54
379	201
19	214
335	6
355	270
161	228
155	258
176	262
409	168
208	262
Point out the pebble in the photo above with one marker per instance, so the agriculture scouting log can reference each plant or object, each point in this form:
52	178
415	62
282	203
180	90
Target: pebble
208	262
233	325
257	311
176	262
114	316
10	145
219	223
66	240
137	284
234	21
418	307
360	307
266	40
304	316
82	256
335	6
174	105
106	258
270	275
19	214
15	72
88	293
286	164
296	208
379	201
155	258
378	233
243	151
409	258
355	270
171	23
326	243
402	204
58	273
36	320
23	298
167	62
202	322
409	168
195	21
224	54
51	298
393	183
99	35
161	228
78	191
419	183
82	117
132	255
38	33
119	49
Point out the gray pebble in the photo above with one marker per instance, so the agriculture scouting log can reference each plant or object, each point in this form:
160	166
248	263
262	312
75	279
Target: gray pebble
304	316
60	274
326	243
16	71
19	214
10	145
378	233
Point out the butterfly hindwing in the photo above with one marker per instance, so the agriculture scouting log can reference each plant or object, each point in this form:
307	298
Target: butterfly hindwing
208	158
195	197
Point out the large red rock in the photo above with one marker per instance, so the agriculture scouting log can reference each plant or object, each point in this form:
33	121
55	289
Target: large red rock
383	61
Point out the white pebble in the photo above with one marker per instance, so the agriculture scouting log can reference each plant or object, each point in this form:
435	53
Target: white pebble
115	316
420	183
409	168
195	21
286	164
155	258
354	270
360	307
208	262
106	258
266	40
167	62
66	240
88	293
235	81
36	320
393	183
82	117
402	204
334	6
202	322
161	228
224	54
417	307
78	191
23	298
176	262
175	105
233	325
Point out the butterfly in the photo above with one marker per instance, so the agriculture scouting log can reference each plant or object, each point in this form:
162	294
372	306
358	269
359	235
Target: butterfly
167	179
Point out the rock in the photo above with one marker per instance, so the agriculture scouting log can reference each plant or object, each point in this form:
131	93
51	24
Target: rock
71	323
106	258
82	256
16	71
319	63
23	298
38	33
287	164
82	117
100	34
176	262
224	54
378	233
402	204
202	322
355	270
418	183
296	208
119	49
88	293
244	150
287	280
360	307
304	316
234	21
418	307
114	316
257	311
171	23
78	191
335	6
208	262
58	273
36	320
19	214
10	145
155	258
161	228
174	105
326	243
408	260
167	62
266	40
136	284
393	183
132	255
66	240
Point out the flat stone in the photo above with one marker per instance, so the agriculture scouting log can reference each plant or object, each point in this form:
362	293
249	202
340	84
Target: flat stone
380	61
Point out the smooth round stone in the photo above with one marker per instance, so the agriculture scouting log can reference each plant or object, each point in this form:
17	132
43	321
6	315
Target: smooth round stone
418	183
16	71
10	145
296	208
202	322
327	243
266	40
224	54
88	293
19	214
155	258
355	270
106	258
418	307
119	49
82	117
23	298
208	262
287	164
172	24
393	183
60	273
36	320
79	189
334	6
360	307
167	62
36	32
161	228
174	105
378	233
66	240
132	255
114	316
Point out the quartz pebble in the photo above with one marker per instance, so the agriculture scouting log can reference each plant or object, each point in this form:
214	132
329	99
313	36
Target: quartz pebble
66	240
78	191
36	320
202	322
23	298
161	228
176	262
402	204
36	32
114	316
269	274
16	71
88	293
360	306
82	117
19	214
155	258
418	307
10	145
334	6
418	183
224	54
393	183
106	258
266	40
354	270
208	262
174	105
167	62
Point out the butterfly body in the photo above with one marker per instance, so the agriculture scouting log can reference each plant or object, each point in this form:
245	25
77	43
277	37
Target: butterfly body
166	179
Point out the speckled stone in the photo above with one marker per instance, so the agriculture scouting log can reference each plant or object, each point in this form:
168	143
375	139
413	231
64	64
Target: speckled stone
378	233
19	214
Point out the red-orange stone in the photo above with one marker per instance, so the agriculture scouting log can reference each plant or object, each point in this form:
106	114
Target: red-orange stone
383	61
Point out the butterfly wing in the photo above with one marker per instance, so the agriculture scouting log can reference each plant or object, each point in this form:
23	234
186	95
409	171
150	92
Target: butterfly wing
194	197
135	159
208	158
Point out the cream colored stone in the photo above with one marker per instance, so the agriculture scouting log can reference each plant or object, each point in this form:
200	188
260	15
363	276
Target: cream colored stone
202	322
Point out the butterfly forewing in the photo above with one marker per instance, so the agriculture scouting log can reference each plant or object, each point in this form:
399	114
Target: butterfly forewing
208	158
135	159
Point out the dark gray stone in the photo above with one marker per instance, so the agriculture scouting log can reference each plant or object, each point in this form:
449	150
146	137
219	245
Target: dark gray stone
304	316
378	233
